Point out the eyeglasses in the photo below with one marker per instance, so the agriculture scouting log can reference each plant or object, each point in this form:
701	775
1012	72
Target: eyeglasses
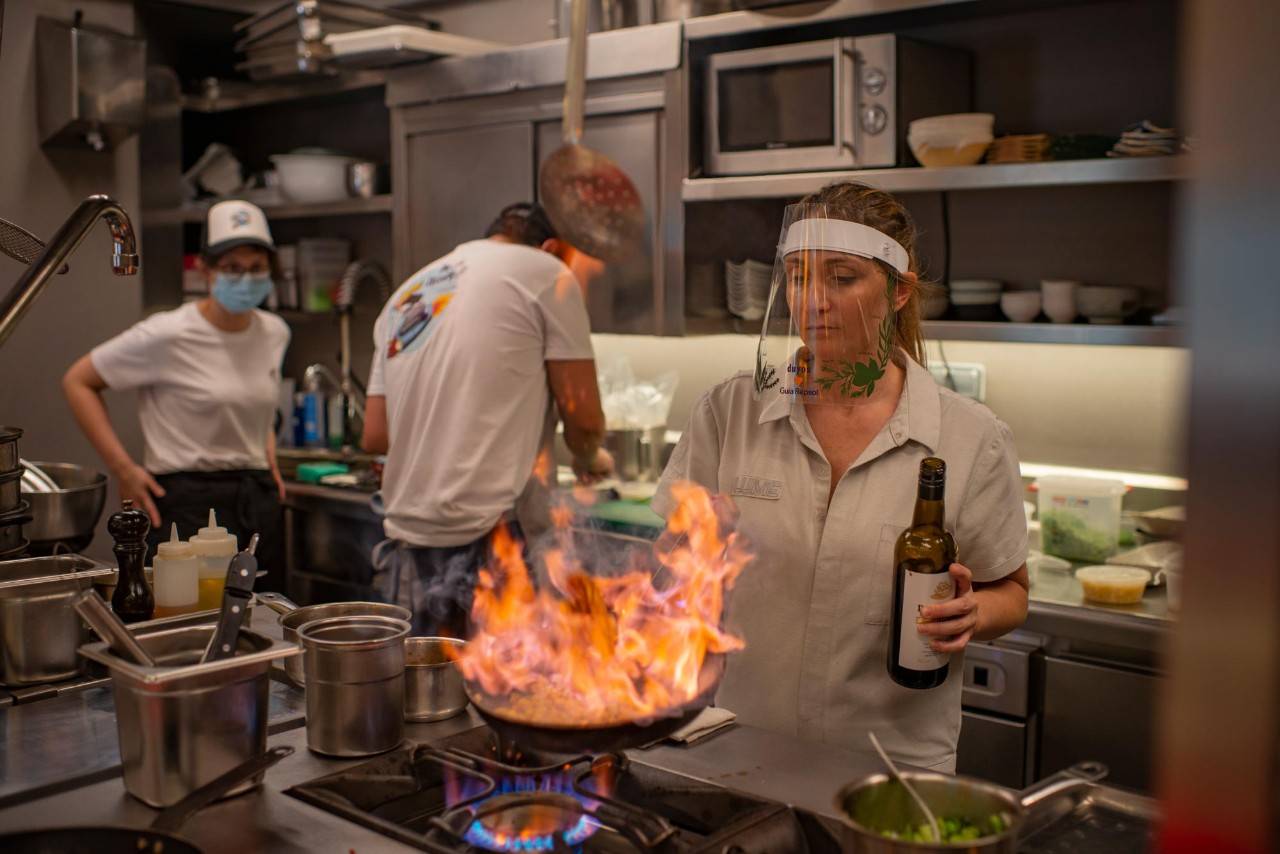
236	271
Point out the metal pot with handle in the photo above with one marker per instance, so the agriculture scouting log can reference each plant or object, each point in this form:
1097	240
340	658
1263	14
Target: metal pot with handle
293	618
876	804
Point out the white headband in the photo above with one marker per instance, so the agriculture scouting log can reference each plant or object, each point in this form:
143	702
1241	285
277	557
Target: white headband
851	238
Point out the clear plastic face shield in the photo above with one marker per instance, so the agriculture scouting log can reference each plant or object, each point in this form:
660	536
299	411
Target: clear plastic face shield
828	333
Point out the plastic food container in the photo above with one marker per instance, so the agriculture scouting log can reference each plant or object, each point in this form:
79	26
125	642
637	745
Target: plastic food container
1080	517
1113	585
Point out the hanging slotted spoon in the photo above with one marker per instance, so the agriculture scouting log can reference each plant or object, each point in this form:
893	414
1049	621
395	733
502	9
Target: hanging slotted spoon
20	244
590	200
911	790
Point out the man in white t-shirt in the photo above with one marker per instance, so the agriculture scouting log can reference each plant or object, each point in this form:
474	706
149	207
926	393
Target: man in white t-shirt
469	355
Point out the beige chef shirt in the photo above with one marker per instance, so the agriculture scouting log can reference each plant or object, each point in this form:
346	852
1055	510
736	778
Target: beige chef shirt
814	605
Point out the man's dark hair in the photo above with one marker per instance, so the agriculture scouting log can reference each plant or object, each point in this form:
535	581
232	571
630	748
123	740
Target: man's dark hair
523	222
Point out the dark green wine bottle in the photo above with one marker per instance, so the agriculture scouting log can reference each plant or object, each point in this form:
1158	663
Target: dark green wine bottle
922	558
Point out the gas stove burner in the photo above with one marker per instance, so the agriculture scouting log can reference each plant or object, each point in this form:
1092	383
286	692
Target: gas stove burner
531	821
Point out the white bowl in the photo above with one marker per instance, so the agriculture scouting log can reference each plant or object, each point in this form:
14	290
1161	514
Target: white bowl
312	178
1102	303
1059	299
1020	306
954	121
966	286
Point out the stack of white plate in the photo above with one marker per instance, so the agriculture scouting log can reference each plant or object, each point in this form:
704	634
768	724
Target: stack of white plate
976	299
747	288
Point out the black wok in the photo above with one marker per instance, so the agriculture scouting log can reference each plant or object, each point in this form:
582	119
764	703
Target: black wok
597	739
159	838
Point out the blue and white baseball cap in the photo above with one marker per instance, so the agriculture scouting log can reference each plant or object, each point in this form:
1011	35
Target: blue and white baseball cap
236	223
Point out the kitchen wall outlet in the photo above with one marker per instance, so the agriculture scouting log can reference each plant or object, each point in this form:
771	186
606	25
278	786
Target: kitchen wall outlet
966	378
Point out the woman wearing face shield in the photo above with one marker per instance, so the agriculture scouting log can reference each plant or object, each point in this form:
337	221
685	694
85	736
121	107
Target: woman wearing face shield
208	377
820	447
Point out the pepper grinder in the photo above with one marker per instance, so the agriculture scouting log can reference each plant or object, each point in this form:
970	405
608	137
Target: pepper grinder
132	600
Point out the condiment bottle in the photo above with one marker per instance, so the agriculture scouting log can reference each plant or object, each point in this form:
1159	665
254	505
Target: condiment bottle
177	574
214	548
132	600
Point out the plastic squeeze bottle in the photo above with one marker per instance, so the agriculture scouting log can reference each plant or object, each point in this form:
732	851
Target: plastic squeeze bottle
177	577
214	548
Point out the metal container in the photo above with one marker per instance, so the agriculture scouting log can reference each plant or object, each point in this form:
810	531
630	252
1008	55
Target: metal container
355	684
366	179
70	514
39	630
91	85
292	618
433	684
9	437
10	490
11	527
678	10
606	15
637	454
184	723
877	803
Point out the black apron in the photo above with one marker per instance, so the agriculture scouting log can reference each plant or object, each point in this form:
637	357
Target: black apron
246	502
435	583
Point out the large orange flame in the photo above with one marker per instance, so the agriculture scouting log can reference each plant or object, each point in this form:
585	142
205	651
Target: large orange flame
596	651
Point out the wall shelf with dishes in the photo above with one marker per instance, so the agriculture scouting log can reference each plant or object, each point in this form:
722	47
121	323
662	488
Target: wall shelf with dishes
195	213
985	176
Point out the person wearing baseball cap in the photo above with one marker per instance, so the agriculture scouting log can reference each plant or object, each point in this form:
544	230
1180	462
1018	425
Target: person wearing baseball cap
207	376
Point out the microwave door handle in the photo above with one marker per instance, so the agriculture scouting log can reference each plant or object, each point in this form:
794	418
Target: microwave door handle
848	102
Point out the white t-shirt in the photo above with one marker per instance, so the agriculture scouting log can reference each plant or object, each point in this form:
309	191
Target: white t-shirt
206	398
460	352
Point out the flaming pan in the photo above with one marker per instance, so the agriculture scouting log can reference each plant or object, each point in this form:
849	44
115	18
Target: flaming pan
604	738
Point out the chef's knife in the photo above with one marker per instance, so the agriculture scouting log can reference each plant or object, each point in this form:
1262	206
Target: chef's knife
236	596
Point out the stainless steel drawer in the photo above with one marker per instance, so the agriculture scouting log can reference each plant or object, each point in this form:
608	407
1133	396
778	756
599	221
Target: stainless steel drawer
1092	711
995	749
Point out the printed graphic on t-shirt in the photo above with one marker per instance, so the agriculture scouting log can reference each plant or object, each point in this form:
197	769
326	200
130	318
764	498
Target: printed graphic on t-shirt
416	312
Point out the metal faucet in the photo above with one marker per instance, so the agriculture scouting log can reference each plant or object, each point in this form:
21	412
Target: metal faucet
353	393
124	256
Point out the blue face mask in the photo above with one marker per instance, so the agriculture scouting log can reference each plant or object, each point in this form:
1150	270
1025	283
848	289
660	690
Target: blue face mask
239	294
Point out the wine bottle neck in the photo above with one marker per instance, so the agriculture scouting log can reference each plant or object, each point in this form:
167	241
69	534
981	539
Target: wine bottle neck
929	507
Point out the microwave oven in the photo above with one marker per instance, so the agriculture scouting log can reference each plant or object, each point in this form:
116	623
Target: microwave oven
833	104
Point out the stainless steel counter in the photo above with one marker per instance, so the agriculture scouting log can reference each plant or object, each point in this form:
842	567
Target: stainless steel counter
55	744
1058	610
751	760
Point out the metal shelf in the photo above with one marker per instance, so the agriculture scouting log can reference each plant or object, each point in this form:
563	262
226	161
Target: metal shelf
1054	333
239	94
342	207
1111	170
960	330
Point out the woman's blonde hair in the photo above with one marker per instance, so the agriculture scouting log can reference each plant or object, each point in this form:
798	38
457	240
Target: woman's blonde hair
860	203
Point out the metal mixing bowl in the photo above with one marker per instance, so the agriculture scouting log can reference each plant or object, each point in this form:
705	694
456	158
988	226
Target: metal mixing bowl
71	514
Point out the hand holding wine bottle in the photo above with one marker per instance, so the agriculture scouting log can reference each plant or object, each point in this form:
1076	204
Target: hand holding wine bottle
950	625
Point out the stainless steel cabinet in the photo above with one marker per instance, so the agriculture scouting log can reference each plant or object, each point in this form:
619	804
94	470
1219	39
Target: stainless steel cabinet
994	748
458	180
1098	712
623	299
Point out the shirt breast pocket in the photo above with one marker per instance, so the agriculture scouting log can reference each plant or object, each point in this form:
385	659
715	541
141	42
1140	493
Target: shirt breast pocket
879	588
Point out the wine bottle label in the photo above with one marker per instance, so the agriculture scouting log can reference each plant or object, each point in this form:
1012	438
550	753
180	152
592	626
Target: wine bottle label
920	589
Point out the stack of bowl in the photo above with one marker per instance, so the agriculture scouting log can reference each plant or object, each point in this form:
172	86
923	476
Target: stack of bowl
14	512
976	299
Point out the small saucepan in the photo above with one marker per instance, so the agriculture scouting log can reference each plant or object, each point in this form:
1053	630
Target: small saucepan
433	689
159	838
293	618
876	804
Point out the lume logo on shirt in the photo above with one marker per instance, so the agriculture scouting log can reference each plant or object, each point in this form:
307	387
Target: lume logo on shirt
755	487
